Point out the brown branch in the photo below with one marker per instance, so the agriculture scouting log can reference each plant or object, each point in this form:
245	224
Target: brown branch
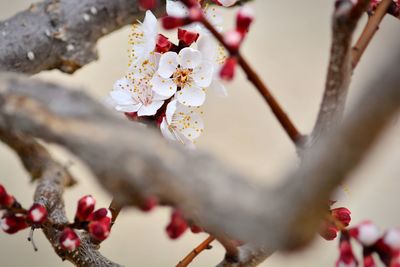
52	179
193	254
345	20
262	88
369	31
62	34
282	217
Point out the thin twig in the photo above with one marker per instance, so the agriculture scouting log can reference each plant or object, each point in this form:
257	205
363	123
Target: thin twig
369	31
192	255
262	88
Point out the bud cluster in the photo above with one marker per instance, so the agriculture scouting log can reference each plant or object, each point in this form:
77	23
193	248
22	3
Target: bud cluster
338	219
386	245
394	8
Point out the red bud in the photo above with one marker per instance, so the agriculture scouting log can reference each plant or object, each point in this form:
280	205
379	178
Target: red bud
187	37
69	240
148	4
244	18
342	215
37	214
13	223
85	207
228	69
163	44
99	230
178	225
6	200
149	204
170	23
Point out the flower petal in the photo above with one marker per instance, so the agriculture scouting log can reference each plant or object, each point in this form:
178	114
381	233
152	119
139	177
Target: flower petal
168	64
150	23
171	109
128	108
163	87
194	126
122	97
208	48
150	109
189	58
203	74
166	132
219	89
191	95
177	9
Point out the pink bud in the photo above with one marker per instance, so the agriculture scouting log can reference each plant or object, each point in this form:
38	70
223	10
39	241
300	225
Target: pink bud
104	215
69	240
342	214
187	37
196	229
149	204
244	18
233	40
99	230
177	226
13	223
346	256
369	261
6	200
227	71
392	239
366	233
148	4
85	207
328	231
163	44
37	214
170	23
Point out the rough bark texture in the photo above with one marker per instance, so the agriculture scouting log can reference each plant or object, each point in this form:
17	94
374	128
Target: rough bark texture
212	194
52	179
61	34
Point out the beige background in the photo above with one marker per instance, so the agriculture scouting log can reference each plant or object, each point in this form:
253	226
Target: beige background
289	46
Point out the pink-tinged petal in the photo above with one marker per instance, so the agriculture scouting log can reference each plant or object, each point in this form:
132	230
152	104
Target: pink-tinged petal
163	86
166	132
191	96
168	64
189	58
203	74
177	9
150	109
171	109
122	97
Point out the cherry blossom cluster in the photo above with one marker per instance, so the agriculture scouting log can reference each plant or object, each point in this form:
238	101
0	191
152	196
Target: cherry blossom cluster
385	245
168	79
15	218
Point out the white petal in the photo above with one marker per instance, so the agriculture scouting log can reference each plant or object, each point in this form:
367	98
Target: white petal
150	109
219	89
128	108
150	23
196	126
208	48
203	74
189	58
166	132
164	87
213	16
227	2
171	109
188	143
191	96
122	97
123	84
177	9
168	64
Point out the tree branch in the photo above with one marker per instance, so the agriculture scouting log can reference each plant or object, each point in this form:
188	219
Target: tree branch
52	179
62	34
278	218
345	20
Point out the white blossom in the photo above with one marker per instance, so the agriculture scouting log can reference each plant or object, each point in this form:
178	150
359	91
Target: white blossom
186	70
182	124
142	39
134	93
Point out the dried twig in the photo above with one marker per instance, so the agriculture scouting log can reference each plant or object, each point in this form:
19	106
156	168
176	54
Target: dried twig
200	248
369	31
52	179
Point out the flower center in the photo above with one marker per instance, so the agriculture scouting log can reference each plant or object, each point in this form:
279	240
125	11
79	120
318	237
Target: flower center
182	77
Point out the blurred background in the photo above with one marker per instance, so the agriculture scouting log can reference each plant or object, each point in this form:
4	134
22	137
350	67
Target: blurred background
288	45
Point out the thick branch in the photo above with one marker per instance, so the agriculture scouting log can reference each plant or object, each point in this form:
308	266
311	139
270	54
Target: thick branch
61	34
133	161
53	178
345	20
